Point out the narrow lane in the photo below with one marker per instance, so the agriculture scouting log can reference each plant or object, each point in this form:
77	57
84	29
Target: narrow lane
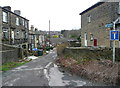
30	74
43	72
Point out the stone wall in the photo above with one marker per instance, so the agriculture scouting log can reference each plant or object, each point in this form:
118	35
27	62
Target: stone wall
0	36
58	40
10	54
71	33
90	53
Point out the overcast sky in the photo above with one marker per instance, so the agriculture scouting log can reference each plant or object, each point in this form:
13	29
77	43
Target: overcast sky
63	14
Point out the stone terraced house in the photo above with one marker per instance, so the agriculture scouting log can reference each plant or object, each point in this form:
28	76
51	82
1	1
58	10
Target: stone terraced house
36	38
93	21
13	31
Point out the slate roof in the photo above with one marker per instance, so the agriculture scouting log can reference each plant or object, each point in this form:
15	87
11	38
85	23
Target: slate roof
94	6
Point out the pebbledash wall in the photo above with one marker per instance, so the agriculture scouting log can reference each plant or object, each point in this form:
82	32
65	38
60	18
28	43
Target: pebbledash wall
93	21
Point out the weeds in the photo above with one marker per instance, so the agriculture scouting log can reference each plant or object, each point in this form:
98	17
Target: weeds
10	65
60	48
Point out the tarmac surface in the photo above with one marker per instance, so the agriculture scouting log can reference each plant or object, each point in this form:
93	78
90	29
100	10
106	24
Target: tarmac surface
42	71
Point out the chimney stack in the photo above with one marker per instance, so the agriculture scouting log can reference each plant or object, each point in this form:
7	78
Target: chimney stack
18	12
32	28
7	8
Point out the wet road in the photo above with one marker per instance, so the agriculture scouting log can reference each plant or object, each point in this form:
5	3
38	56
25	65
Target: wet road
43	72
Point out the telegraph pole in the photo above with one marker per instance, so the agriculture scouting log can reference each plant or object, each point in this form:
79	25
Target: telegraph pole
49	33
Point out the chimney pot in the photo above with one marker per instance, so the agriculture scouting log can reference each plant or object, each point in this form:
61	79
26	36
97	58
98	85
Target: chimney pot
18	12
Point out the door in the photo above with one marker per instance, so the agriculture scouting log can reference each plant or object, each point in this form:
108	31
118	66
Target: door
95	42
13	36
85	39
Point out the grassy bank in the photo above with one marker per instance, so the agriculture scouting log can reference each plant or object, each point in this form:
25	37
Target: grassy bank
10	65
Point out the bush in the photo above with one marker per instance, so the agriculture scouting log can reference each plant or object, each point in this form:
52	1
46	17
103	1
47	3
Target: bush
60	48
55	36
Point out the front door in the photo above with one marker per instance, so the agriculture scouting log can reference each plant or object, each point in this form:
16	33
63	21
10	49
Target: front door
13	36
85	39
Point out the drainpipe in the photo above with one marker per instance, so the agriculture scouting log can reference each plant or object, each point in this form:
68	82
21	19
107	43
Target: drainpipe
10	28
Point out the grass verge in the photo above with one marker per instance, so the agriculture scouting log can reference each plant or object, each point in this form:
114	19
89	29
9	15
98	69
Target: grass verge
10	65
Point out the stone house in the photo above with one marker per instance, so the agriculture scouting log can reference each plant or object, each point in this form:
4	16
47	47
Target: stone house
55	33
93	21
36	38
71	33
13	29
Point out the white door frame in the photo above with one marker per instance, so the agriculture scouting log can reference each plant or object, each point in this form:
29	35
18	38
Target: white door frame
85	39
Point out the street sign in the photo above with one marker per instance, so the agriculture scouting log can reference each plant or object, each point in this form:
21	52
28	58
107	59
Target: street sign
119	37
114	35
109	25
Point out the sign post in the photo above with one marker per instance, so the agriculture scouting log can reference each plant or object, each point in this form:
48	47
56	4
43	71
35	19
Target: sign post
114	35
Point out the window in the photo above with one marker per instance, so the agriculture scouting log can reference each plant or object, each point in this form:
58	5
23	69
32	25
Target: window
5	34
32	36
89	18
17	21
17	34
25	34
119	8
5	17
22	34
23	22
91	37
26	24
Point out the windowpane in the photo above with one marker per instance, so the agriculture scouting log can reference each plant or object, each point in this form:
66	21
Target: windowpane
17	21
5	17
119	8
17	34
22	34
5	33
26	24
89	18
23	22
